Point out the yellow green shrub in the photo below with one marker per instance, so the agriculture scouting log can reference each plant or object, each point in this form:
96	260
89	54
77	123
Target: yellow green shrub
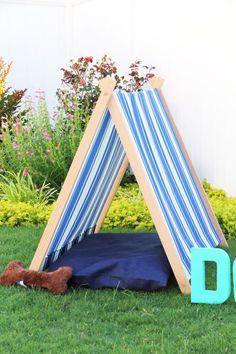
225	211
128	210
224	208
16	214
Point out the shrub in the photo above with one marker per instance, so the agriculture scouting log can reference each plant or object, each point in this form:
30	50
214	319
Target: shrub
224	208
16	214
128	210
80	89
20	188
213	193
9	101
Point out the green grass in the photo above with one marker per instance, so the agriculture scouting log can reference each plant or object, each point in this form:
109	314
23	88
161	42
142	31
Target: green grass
106	321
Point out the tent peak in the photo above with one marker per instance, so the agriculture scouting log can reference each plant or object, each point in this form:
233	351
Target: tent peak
107	85
156	82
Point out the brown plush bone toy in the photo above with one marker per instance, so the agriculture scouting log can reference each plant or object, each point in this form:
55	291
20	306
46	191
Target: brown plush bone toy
55	282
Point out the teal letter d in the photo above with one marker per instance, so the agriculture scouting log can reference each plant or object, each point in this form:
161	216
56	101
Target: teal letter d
199	294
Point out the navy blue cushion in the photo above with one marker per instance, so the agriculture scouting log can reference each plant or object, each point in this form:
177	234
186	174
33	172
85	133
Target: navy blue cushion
128	261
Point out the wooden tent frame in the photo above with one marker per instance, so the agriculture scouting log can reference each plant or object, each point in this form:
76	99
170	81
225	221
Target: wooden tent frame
107	100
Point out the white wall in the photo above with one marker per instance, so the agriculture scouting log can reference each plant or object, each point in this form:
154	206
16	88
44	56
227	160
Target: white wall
190	42
34	36
192	45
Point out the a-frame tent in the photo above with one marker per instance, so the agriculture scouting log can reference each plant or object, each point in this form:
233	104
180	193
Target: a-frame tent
135	128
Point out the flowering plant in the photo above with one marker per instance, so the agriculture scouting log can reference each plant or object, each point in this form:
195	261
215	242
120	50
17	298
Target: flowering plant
80	90
42	145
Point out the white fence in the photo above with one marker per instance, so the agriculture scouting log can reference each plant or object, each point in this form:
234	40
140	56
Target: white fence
190	42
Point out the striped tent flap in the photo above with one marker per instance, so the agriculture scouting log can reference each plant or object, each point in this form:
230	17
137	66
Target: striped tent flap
167	171
90	191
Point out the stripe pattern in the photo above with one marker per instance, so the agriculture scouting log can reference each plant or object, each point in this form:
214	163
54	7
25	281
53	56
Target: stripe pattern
90	191
167	171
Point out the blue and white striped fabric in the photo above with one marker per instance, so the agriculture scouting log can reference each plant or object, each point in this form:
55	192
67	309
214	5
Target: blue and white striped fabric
90	190
167	171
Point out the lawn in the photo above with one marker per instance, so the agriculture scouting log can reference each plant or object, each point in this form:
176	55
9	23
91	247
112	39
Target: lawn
106	321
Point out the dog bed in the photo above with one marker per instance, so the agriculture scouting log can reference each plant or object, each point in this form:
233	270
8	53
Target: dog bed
135	261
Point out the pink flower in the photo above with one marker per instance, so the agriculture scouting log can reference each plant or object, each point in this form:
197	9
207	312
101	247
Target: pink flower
27	129
70	116
15	145
25	172
40	95
46	135
27	153
17	127
88	59
82	82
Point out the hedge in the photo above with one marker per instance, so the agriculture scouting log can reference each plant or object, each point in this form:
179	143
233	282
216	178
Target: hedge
16	214
224	207
128	211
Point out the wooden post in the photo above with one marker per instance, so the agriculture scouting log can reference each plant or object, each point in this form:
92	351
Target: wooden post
107	86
